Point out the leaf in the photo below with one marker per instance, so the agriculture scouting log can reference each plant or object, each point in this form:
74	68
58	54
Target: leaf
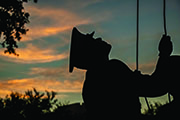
35	1
27	15
25	1
3	44
53	95
48	94
37	93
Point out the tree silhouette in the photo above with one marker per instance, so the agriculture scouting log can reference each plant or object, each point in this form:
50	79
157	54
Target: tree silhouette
154	109
31	105
13	19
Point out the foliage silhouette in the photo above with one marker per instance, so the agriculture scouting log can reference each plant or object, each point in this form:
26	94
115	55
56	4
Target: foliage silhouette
31	105
44	106
37	105
13	19
160	111
154	109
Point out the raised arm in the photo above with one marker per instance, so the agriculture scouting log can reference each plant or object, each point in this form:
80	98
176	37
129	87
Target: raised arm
148	85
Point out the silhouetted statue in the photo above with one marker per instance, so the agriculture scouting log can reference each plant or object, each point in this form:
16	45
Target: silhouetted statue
109	89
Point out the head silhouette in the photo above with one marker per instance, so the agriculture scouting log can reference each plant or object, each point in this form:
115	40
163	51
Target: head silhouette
165	46
87	52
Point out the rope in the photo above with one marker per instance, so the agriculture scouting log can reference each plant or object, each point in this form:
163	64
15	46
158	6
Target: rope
147	103
164	16
137	46
169	97
165	32
137	37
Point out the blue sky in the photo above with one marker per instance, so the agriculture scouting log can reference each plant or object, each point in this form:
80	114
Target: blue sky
44	51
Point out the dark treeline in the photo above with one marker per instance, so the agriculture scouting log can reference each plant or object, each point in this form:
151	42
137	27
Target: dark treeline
34	105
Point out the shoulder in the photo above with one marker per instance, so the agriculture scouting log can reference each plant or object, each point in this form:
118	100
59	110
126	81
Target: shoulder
118	64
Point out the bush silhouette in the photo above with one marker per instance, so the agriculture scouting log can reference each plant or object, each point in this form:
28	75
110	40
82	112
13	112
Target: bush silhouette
154	109
31	105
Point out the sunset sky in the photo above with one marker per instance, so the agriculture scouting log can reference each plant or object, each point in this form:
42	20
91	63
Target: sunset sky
44	52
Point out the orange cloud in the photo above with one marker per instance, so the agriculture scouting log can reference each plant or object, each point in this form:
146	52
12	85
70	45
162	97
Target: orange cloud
32	54
55	30
17	81
59	20
59	72
22	85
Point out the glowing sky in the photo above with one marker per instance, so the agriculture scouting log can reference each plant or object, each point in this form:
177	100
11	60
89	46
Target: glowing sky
44	51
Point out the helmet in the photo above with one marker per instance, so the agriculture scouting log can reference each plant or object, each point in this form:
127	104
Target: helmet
85	51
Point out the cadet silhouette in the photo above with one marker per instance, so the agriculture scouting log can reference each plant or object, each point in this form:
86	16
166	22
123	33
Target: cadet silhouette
109	89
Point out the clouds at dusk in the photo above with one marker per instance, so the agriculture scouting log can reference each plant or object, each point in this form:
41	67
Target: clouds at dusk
57	73
33	54
51	21
22	85
44	51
